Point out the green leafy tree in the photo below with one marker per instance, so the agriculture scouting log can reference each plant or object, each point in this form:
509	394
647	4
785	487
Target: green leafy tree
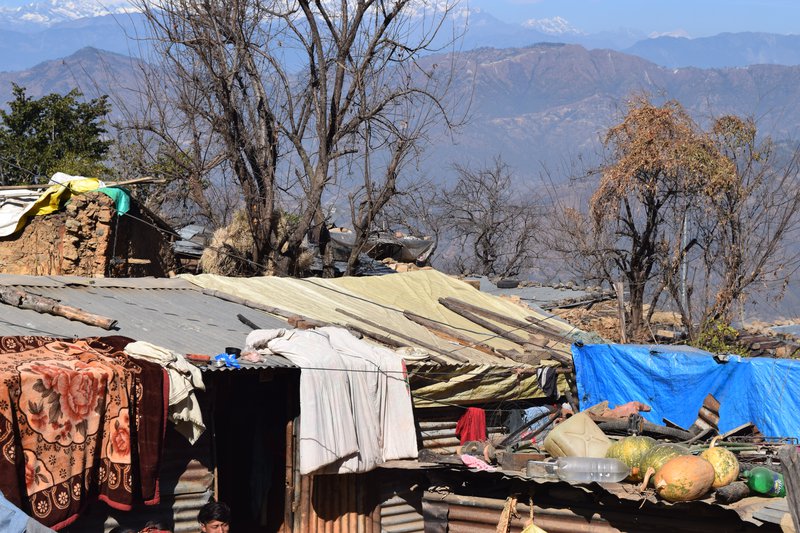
54	133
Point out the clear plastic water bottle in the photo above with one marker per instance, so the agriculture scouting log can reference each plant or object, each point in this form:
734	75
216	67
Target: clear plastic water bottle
580	469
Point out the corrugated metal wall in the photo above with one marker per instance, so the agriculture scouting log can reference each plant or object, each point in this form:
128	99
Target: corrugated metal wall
185	483
440	436
399	516
337	504
401	500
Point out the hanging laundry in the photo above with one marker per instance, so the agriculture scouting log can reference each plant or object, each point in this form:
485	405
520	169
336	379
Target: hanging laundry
472	425
355	405
85	418
184	379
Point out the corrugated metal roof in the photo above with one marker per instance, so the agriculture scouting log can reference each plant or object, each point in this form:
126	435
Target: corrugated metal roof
537	295
171	313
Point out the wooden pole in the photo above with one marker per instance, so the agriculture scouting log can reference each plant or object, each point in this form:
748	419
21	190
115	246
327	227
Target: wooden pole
465	311
38	186
619	288
530	325
451	334
412	340
41	304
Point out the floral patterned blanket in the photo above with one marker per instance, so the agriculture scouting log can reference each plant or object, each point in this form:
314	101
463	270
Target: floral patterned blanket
79	420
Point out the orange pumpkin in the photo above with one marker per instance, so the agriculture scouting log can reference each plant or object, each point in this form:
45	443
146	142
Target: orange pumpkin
684	478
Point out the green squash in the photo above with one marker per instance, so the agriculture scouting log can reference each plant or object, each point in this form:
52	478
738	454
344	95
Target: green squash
725	463
631	451
657	456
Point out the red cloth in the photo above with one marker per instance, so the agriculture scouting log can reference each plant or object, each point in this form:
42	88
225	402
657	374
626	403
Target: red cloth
472	425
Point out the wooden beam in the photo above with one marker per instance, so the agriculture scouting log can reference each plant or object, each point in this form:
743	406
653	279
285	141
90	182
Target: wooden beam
451	334
412	340
41	304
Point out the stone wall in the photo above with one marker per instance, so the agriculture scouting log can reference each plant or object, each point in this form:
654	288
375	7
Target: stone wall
87	239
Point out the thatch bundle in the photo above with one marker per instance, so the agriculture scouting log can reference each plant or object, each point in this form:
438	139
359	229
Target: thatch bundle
231	250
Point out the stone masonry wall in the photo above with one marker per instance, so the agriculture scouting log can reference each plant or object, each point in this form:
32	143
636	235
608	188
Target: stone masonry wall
80	240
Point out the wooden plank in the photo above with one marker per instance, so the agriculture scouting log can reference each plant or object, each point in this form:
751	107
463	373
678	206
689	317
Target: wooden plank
790	462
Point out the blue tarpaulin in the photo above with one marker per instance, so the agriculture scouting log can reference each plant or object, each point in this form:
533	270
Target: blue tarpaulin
674	380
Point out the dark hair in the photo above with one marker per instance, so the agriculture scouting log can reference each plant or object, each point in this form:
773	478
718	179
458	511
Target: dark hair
154	525
123	529
214	511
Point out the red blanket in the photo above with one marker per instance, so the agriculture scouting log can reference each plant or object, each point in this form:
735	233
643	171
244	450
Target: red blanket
78	420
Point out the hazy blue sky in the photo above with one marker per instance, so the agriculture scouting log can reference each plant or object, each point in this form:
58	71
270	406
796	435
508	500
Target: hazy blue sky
696	18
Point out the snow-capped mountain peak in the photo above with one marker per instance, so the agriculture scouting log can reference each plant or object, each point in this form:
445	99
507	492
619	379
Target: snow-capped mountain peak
39	15
552	26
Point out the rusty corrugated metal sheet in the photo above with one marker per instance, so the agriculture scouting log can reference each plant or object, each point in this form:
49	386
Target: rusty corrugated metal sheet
185	482
562	514
440	436
398	516
337	504
467	514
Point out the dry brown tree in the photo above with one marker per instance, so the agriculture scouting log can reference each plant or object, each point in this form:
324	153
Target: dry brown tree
659	160
281	95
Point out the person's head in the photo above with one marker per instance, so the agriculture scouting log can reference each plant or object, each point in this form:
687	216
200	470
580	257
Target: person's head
154	527
214	517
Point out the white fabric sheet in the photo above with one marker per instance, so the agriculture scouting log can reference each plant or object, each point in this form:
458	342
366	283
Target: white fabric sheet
355	404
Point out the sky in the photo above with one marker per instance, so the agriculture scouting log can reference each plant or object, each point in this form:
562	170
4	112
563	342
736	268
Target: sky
691	18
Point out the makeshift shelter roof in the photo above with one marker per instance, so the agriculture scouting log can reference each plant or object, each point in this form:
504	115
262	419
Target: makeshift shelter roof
397	307
380	304
171	313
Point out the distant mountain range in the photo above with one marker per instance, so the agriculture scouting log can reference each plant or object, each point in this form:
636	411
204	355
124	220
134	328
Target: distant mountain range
723	50
94	72
36	16
543	104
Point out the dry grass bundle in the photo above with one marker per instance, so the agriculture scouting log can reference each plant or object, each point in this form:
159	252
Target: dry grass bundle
231	250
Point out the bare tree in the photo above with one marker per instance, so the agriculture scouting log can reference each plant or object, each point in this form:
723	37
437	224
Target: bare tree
280	93
659	160
492	223
743	229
